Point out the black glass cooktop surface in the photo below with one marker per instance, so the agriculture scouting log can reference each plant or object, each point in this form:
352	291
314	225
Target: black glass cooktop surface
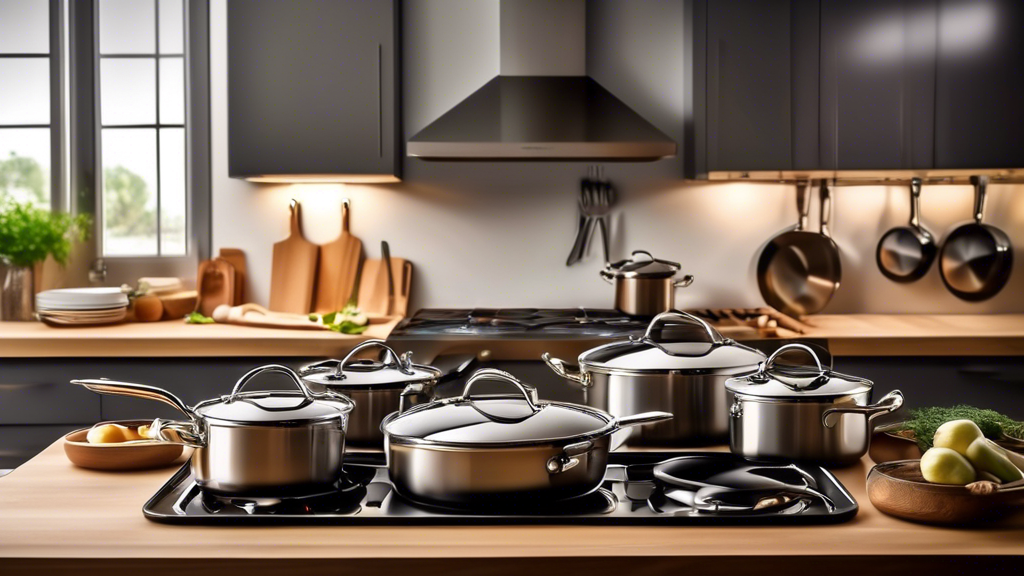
520	322
694	488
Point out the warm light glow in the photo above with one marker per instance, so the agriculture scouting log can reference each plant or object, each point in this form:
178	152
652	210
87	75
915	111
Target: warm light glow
324	179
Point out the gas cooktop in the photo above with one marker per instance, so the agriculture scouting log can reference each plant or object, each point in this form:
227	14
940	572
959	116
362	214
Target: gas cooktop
521	323
631	494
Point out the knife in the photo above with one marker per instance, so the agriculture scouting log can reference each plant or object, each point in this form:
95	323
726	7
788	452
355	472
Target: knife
385	253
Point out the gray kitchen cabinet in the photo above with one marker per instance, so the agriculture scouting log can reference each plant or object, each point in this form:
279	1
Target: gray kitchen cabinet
313	89
877	78
979	97
20	443
760	73
37	392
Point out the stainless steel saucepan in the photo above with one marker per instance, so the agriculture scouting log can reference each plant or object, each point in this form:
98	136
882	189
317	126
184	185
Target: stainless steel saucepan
251	443
803	412
378	387
479	449
644	285
685	377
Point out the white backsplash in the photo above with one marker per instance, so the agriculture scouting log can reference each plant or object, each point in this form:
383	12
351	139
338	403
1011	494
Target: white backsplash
497	234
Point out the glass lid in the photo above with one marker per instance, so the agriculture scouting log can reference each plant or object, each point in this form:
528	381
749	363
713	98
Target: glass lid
390	371
277	407
797	382
506	419
651	354
641	264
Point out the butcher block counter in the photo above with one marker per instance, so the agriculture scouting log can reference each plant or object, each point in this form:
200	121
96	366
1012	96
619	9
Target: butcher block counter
56	517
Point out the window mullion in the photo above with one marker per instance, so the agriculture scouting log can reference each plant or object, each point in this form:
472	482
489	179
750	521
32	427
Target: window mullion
159	185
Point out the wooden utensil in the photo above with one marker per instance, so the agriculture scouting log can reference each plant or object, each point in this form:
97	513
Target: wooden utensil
899	489
255	315
293	270
216	285
373	287
338	268
236	258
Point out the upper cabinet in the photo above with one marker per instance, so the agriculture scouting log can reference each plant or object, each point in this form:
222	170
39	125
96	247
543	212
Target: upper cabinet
872	85
313	90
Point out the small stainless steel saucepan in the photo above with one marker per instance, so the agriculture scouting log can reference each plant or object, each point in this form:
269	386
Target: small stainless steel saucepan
251	443
487	449
803	413
644	285
378	387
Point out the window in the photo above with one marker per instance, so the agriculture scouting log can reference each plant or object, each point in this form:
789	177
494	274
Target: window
142	129
30	101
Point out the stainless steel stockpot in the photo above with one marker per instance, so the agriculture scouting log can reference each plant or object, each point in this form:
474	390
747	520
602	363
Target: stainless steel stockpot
803	412
644	285
378	387
686	378
493	448
251	443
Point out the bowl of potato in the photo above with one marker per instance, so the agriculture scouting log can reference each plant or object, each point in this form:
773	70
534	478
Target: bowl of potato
119	445
963	478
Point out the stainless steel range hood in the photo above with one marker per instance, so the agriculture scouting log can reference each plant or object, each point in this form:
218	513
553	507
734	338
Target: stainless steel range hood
541	106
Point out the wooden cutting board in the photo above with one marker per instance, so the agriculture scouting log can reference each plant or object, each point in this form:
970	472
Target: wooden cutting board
373	287
236	258
255	315
338	268
293	270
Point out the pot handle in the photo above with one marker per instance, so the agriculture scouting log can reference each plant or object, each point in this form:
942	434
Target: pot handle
683	282
683	318
765	368
641	419
891	402
184	433
569	372
529	392
568	460
115	388
607	275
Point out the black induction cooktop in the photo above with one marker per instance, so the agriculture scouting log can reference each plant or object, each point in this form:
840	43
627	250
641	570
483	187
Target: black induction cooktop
631	494
520	322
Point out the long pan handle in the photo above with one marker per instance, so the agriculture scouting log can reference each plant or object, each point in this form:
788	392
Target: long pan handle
115	388
980	184
803	203
826	209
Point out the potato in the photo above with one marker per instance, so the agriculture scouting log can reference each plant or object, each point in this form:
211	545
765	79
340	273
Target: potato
946	466
105	434
957	435
988	458
132	433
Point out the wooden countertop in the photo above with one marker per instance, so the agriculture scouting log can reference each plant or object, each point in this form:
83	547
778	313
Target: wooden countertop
175	338
847	335
56	516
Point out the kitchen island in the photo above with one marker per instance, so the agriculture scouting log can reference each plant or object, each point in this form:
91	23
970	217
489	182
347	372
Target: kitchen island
56	517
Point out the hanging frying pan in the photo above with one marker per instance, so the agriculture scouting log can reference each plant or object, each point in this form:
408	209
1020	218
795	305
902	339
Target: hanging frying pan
976	258
905	253
799	270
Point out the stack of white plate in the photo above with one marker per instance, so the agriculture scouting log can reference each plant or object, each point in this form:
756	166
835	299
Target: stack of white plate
82	306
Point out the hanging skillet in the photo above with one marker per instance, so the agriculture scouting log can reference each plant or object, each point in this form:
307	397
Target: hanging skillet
905	253
799	270
976	258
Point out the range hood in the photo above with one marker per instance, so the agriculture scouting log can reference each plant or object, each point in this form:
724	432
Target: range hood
542	105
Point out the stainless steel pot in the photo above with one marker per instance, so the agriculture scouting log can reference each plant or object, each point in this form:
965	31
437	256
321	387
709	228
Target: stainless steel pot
486	449
803	413
378	387
644	285
686	378
251	443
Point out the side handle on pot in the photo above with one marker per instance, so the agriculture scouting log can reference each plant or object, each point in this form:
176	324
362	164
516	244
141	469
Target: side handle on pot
572	374
641	419
891	402
414	395
185	433
568	460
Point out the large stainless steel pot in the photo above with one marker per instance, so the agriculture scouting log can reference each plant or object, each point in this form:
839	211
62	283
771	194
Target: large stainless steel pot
644	285
803	413
378	387
488	449
251	443
686	378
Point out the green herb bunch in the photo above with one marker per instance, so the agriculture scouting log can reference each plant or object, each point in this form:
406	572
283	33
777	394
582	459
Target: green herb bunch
923	422
28	234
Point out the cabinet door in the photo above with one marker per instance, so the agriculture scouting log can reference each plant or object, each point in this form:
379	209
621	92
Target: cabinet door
312	87
979	120
761	84
877	83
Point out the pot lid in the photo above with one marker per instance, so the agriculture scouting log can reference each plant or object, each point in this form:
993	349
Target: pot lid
505	420
641	264
816	382
652	354
390	371
277	407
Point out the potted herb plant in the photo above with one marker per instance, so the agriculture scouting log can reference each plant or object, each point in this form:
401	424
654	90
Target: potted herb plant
28	235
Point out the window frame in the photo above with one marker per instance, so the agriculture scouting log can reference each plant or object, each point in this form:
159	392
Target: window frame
86	133
55	55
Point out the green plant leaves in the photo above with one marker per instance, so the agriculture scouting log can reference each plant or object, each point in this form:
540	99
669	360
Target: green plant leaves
29	234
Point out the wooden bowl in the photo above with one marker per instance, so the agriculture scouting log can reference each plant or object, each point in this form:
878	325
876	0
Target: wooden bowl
134	455
898	489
